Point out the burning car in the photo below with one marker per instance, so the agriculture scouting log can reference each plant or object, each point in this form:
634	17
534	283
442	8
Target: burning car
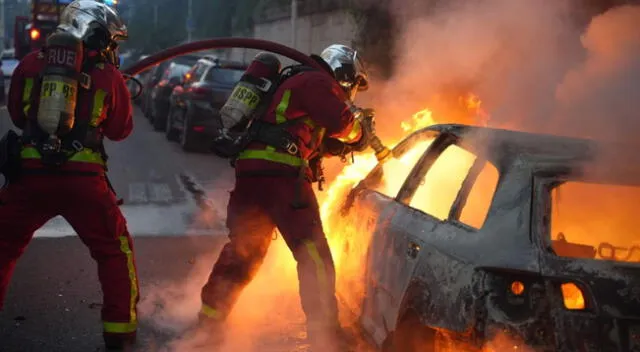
473	233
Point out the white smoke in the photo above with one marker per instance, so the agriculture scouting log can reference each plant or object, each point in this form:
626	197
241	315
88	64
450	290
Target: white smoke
530	62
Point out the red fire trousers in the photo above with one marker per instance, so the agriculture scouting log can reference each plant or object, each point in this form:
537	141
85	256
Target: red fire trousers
256	207
89	205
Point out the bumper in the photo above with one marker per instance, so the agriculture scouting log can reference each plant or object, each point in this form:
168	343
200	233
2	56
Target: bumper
567	332
206	124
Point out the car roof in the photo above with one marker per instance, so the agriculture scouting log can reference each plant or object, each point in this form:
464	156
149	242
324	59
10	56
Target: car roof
214	60
545	152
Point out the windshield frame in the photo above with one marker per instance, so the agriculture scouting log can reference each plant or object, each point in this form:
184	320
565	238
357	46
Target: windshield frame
173	67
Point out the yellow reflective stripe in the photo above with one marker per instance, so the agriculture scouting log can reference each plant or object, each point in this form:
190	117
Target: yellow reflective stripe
307	121
84	156
30	153
272	156
210	312
87	156
282	107
353	134
98	106
26	95
119	328
133	282
321	272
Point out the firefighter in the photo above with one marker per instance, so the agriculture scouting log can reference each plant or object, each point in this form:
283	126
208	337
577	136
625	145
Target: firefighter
66	175
273	190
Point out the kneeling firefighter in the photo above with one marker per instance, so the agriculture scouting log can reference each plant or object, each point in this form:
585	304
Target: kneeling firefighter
66	98
309	115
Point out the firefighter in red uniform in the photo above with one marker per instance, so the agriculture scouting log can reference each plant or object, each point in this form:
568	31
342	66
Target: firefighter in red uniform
69	179
272	191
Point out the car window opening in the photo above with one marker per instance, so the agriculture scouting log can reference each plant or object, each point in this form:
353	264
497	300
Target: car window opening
396	170
440	186
595	221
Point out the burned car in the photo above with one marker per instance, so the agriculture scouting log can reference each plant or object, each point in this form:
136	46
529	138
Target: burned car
472	234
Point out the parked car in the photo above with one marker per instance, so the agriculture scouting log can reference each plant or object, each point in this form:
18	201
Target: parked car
159	102
155	76
194	115
471	232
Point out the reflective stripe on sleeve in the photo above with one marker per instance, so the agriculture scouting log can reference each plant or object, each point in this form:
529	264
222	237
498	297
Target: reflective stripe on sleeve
353	134
26	95
98	107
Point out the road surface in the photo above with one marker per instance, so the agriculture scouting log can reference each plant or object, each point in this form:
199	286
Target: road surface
54	299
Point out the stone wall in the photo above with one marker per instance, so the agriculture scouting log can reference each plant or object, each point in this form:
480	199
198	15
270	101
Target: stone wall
314	31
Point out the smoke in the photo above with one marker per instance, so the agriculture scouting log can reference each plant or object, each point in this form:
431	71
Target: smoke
533	65
267	316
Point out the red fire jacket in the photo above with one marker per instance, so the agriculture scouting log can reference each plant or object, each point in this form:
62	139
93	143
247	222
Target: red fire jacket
317	101
111	109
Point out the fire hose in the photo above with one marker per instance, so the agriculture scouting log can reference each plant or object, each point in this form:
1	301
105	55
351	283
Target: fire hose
381	151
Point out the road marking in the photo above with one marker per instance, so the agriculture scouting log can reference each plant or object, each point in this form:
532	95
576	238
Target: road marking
159	192
138	192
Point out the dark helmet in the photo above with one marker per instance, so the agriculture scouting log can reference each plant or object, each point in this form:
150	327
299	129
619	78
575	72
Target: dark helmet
96	24
348	69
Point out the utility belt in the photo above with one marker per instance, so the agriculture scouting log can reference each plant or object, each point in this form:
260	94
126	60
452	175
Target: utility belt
55	152
282	148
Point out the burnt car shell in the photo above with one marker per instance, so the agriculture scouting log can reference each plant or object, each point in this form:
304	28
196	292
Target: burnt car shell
458	279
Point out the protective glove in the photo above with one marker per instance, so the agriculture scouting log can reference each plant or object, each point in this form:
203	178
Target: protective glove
334	147
366	118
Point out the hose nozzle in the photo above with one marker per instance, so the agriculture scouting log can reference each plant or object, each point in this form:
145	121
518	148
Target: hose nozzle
382	152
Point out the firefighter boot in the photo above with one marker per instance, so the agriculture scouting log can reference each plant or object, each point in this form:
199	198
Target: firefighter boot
207	333
330	339
120	342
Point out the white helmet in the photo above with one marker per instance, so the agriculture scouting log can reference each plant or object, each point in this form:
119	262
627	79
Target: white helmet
348	69
96	24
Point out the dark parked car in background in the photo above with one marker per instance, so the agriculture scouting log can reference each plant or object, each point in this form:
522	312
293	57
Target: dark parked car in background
155	76
194	115
160	93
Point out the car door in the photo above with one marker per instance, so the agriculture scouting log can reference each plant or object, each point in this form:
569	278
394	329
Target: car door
447	194
363	231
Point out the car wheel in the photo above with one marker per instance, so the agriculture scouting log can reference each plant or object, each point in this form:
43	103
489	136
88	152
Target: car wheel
169	131
187	138
159	123
152	112
412	336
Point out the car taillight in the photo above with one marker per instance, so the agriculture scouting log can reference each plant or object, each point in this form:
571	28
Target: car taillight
199	91
572	296
517	288
34	34
163	83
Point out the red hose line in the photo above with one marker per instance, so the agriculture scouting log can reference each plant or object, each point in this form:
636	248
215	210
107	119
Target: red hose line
221	43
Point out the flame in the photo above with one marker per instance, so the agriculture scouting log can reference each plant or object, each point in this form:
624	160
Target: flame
269	304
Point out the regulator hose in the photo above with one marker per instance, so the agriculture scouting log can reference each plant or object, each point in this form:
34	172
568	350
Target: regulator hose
221	43
137	82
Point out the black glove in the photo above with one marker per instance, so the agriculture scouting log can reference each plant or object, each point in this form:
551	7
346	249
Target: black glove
367	124
334	147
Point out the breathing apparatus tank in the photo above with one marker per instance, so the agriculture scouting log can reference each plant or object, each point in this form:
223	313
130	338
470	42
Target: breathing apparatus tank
257	82
59	87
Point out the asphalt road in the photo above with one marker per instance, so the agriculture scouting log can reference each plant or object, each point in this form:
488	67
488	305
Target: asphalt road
54	299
